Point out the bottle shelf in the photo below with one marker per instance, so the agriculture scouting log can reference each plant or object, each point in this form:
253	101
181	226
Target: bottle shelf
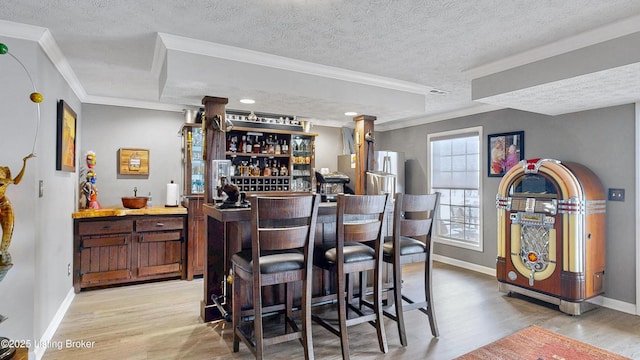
256	155
261	183
296	155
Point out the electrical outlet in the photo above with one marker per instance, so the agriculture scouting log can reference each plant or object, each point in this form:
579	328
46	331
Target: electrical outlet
41	188
616	194
69	269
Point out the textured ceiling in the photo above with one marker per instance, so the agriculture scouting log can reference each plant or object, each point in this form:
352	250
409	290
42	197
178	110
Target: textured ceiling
318	59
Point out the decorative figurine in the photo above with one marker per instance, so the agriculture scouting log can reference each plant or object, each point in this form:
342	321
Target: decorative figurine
89	188
6	214
6	210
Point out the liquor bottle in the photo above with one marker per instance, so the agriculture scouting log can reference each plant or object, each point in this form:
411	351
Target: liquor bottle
256	146
264	149
248	146
285	147
255	169
267	169
283	170
275	169
242	142
278	148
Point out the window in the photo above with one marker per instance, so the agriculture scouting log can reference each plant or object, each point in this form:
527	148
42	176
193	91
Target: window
454	171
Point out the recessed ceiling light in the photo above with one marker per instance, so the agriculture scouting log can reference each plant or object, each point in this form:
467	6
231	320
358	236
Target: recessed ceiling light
351	113
247	101
437	92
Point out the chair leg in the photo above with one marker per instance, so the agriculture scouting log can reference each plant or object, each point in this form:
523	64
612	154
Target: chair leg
288	295
257	321
397	295
307	342
342	316
428	294
363	289
235	311
377	308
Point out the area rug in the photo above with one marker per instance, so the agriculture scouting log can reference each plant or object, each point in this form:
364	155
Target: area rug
534	343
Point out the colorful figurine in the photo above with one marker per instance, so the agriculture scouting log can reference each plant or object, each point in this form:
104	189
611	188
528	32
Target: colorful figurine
90	189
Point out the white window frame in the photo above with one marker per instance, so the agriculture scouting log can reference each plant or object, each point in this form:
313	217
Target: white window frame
452	134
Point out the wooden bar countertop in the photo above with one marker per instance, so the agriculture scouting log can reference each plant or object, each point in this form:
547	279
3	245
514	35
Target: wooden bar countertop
244	214
122	211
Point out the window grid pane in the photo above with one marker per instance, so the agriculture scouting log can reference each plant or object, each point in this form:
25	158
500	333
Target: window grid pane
455	173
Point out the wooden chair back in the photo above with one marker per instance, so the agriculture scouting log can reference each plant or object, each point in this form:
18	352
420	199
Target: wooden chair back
414	215
360	217
284	222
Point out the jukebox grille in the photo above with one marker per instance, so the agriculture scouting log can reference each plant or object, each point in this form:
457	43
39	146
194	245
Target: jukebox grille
534	249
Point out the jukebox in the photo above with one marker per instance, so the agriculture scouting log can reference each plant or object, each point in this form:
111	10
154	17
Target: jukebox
551	233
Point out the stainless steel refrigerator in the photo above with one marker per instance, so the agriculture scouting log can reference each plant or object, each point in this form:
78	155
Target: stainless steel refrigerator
386	175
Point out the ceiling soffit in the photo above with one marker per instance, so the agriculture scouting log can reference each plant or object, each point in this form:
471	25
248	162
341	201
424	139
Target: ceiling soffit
188	68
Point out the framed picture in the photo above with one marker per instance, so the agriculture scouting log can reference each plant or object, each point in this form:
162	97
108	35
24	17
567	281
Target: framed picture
505	151
66	138
133	161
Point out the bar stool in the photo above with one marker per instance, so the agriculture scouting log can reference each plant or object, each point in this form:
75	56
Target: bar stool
414	216
282	235
358	248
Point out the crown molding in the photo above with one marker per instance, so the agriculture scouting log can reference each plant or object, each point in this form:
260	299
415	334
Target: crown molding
159	57
21	31
200	47
150	105
588	38
421	119
50	47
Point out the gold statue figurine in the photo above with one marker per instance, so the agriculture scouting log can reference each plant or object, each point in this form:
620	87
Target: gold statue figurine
6	214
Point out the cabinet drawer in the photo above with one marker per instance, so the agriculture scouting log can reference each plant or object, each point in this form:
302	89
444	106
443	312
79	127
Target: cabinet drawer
159	224
119	240
105	227
161	236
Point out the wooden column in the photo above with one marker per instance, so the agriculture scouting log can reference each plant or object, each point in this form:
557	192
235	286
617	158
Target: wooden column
215	146
364	124
215	140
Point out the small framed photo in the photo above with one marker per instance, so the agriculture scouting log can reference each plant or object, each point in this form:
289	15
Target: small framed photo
66	138
504	151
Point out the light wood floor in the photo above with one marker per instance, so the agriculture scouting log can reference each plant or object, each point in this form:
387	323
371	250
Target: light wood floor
161	321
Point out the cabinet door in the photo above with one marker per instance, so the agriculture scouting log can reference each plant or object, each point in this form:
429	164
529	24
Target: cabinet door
193	169
160	246
104	258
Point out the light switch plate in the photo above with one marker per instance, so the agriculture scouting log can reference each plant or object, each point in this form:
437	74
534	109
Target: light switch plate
40	188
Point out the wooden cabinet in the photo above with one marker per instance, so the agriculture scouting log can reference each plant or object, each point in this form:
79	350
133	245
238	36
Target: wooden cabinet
103	252
195	237
117	250
192	158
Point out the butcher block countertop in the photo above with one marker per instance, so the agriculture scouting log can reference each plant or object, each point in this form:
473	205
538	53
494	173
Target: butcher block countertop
122	211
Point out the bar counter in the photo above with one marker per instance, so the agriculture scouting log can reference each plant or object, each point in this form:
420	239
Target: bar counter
227	232
122	211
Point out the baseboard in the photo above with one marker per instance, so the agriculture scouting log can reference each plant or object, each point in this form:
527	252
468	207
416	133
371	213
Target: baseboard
465	265
53	325
598	300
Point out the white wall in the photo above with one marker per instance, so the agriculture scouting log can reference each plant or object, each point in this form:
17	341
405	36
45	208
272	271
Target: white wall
601	139
41	247
109	128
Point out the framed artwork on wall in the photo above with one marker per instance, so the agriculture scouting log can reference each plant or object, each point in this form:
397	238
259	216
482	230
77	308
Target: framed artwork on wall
66	138
504	151
133	161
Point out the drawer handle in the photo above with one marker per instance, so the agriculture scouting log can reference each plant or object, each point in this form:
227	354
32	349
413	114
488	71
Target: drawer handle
107	226
159	224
